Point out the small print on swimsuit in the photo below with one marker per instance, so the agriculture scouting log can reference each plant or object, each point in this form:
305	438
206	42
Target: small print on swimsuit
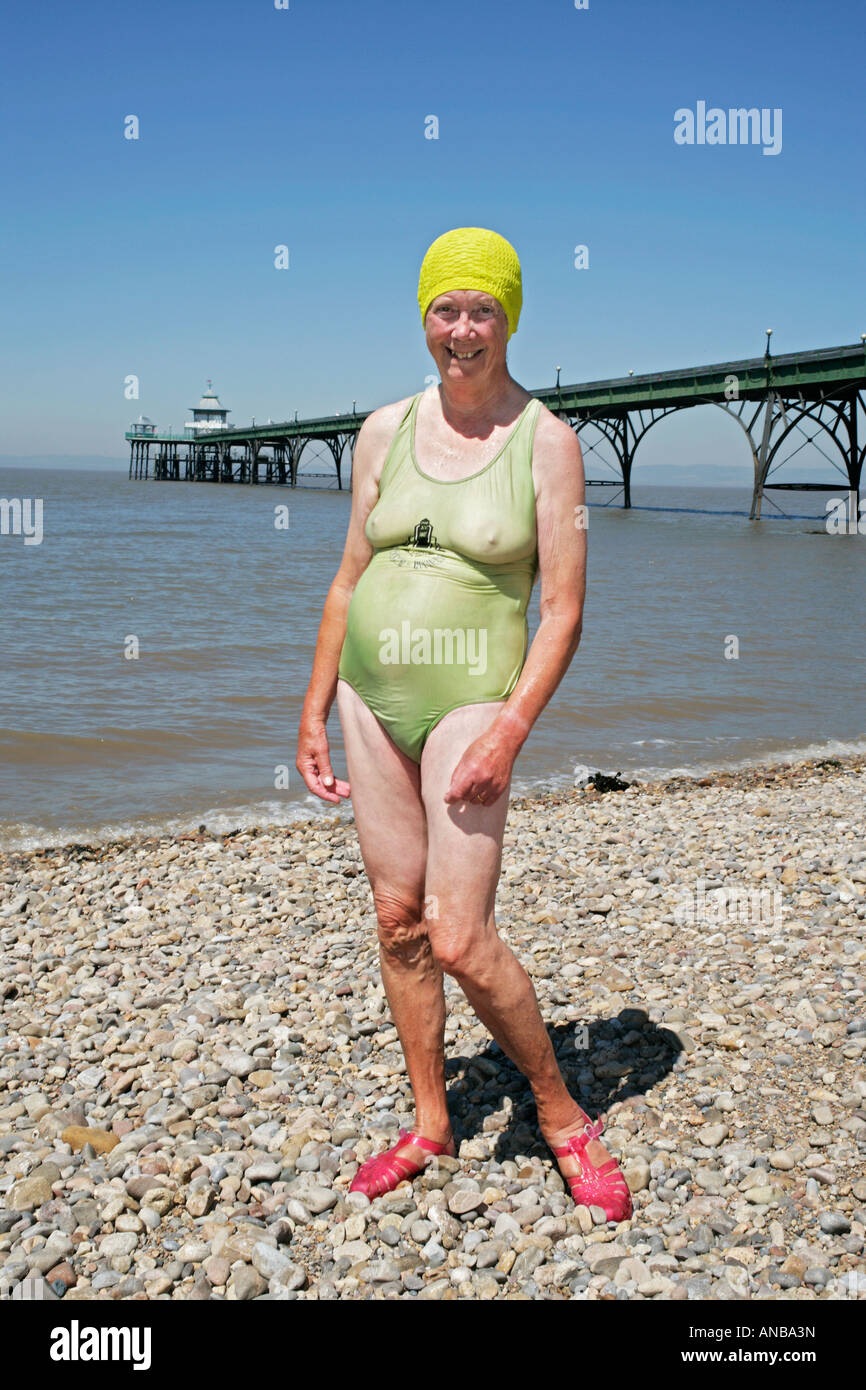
419	560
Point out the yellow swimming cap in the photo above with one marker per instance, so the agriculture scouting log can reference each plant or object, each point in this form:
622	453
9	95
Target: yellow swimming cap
472	258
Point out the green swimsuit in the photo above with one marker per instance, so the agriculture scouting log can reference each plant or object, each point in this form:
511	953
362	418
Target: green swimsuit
438	618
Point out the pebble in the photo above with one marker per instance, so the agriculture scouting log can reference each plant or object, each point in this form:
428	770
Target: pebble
319	1199
268	1260
238	1063
29	1193
760	1194
289	1277
637	1175
246	1283
834	1223
355	1250
782	1160
120	1244
217	1270
197	1058
100	1140
463	1202
713	1135
432	1253
264	1171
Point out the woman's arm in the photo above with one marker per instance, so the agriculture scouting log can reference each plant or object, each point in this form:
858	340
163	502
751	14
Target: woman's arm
560	514
313	760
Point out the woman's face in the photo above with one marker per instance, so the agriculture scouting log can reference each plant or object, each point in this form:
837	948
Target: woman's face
467	334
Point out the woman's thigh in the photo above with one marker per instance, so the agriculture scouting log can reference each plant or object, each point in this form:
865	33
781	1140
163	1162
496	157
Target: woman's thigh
464	838
386	801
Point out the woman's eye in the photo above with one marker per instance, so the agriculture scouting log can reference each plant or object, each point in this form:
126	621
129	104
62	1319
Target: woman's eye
446	310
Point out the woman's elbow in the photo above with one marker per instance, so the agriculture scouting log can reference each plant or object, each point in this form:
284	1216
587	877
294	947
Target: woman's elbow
567	616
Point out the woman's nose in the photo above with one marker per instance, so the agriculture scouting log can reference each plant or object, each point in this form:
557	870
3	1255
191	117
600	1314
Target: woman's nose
462	327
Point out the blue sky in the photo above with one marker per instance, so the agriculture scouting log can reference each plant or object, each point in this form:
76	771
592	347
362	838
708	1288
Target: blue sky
305	127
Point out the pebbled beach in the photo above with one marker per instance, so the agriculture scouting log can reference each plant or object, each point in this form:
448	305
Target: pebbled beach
196	1053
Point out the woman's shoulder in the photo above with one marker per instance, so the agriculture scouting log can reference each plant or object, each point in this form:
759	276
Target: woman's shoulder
385	419
550	426
554	433
376	435
556	453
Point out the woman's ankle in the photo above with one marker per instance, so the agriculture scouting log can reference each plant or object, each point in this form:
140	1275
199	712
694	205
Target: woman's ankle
556	1118
436	1129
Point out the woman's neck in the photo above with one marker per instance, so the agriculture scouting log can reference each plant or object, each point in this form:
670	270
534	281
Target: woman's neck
477	403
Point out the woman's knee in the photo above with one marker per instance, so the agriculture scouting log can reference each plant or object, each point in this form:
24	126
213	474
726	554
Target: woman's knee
401	920
465	952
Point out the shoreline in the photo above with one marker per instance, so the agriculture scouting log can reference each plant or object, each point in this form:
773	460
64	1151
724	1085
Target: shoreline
789	772
753	774
196	1053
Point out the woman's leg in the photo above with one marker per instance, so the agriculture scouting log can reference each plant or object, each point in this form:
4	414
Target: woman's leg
392	833
464	858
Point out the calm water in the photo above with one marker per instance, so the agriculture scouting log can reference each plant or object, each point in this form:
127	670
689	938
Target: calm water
226	609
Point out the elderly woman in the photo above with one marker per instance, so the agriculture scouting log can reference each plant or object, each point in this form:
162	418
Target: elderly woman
461	495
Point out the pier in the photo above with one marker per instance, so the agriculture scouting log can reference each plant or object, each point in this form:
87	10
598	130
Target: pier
782	404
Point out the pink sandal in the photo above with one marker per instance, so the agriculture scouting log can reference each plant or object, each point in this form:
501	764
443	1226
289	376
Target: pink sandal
602	1186
382	1173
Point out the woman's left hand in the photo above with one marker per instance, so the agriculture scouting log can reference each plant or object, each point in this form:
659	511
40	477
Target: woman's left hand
483	773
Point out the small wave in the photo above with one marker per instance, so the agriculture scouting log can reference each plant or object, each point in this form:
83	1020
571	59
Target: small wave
217	821
785	757
700	767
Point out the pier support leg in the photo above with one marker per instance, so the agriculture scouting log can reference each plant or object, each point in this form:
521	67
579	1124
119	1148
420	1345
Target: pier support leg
854	460
763	452
626	462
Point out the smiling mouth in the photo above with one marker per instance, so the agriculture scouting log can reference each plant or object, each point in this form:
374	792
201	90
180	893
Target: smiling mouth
464	356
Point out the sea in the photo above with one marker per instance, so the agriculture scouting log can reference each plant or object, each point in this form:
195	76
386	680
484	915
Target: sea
158	640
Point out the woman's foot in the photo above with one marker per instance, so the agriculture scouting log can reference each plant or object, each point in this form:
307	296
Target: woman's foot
592	1173
408	1157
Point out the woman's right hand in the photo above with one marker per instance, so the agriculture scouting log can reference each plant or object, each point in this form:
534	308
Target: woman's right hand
314	761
